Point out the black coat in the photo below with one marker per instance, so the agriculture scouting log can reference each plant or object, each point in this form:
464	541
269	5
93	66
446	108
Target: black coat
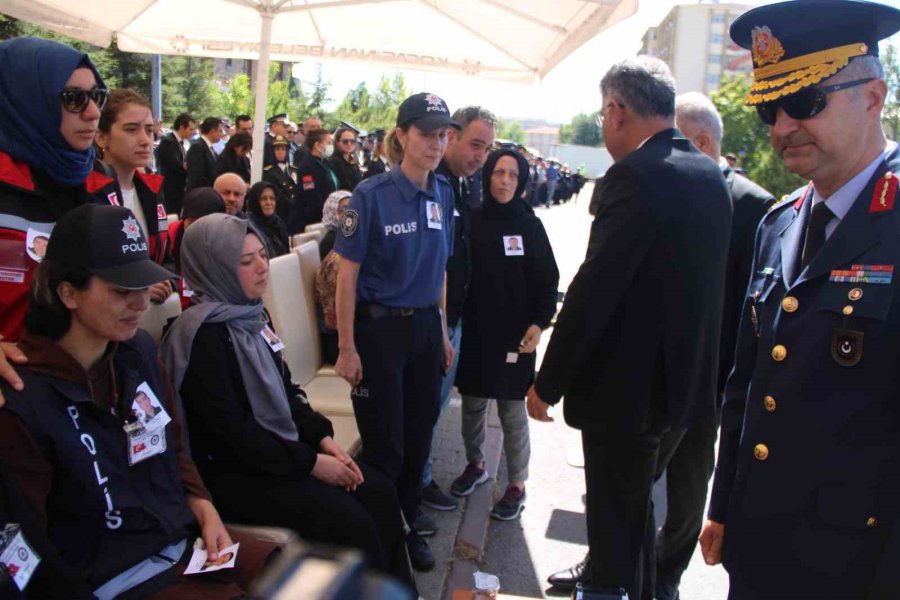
315	181
644	312
232	163
170	159
285	187
507	294
348	174
374	167
275	231
750	203
459	264
201	165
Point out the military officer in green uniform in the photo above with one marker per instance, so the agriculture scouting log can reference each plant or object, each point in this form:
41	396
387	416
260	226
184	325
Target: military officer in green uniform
282	175
806	498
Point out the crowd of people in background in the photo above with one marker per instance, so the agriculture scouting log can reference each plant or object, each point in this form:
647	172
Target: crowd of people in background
117	453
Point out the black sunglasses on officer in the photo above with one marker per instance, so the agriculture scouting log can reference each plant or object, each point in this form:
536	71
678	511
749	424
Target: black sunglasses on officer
804	104
75	100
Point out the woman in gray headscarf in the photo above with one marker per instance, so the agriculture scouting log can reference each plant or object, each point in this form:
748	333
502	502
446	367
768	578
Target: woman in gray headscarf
267	456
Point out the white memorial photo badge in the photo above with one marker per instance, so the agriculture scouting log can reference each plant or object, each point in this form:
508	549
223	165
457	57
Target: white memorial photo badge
513	245
433	215
148	408
36	244
272	340
512	357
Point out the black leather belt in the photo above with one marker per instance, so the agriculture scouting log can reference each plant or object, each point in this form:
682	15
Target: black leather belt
377	311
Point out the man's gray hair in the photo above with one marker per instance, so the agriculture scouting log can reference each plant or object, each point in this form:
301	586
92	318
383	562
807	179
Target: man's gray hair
861	67
644	85
694	111
467	114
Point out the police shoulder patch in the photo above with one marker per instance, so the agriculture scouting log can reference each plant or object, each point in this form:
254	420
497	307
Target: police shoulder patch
349	222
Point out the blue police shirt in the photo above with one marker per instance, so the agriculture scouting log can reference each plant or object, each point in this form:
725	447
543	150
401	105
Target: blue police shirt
401	236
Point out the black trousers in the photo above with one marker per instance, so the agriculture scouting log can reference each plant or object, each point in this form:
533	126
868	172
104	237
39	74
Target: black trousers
367	519
396	403
619	469
691	465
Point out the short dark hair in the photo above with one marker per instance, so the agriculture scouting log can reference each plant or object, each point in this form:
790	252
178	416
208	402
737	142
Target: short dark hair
240	118
238	140
314	137
47	315
210	123
182	120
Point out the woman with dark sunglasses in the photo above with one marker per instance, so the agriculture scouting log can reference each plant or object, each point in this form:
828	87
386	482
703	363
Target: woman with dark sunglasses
51	97
343	161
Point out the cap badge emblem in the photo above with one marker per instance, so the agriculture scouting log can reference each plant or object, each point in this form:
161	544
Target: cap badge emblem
766	47
435	103
131	229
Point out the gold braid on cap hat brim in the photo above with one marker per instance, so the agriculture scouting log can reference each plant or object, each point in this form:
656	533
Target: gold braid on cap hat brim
803	71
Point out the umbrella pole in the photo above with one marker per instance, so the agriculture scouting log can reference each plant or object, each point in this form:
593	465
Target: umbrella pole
262	91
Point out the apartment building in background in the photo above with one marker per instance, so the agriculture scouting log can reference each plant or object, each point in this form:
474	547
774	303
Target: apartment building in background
693	40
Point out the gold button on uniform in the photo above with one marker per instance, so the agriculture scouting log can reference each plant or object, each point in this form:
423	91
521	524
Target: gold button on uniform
770	404
848	310
790	304
855	294
871	522
779	353
760	452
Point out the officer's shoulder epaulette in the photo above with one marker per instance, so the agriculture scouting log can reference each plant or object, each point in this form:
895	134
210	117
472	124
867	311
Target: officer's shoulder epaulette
267	167
293	168
786	200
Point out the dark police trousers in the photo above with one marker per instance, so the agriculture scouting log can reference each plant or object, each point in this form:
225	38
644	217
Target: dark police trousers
396	403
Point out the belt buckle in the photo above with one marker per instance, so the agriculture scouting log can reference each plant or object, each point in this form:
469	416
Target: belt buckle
405	312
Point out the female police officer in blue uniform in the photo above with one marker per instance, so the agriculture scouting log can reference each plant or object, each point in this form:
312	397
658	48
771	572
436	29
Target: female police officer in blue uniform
396	235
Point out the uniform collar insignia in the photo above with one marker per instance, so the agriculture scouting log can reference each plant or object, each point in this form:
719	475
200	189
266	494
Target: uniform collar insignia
884	194
766	47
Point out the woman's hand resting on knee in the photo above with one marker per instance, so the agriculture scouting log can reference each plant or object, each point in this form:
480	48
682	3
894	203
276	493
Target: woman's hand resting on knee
332	471
331	448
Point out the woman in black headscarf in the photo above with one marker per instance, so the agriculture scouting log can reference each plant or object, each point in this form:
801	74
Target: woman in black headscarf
512	298
264	451
262	204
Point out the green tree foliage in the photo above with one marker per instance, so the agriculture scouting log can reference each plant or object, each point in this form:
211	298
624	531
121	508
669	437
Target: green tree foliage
368	110
188	86
890	116
511	130
748	138
582	130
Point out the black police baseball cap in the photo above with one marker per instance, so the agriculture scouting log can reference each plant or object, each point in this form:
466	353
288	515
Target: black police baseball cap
108	242
426	111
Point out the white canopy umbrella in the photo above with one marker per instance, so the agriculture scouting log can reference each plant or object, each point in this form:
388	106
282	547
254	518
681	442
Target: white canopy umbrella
512	40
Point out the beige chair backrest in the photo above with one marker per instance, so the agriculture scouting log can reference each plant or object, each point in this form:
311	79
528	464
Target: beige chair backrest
301	238
288	305
317	226
156	317
171	218
309	266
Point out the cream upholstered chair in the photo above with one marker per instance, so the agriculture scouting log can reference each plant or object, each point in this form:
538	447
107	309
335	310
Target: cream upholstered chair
156	317
290	301
317	227
298	239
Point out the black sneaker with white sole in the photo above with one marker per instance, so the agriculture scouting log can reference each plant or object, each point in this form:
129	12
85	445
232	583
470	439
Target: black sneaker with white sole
419	553
434	497
465	484
424	525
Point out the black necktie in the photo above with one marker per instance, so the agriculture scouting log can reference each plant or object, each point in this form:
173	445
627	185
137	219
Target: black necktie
815	232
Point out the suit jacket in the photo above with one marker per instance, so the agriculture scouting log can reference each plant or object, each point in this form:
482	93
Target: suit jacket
811	422
315	181
201	165
749	203
170	158
641	321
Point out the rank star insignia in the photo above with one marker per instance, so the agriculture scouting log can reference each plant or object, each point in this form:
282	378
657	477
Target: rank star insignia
349	222
131	229
766	47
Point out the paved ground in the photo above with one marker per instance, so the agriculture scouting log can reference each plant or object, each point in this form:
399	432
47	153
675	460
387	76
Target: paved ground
551	532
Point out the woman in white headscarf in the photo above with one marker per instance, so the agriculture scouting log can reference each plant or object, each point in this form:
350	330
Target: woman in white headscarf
265	452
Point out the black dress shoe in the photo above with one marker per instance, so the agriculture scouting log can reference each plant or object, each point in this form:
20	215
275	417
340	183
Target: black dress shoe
419	554
567	578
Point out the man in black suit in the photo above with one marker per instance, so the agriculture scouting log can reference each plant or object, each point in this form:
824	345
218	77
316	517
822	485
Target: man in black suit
201	158
171	160
635	346
691	465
